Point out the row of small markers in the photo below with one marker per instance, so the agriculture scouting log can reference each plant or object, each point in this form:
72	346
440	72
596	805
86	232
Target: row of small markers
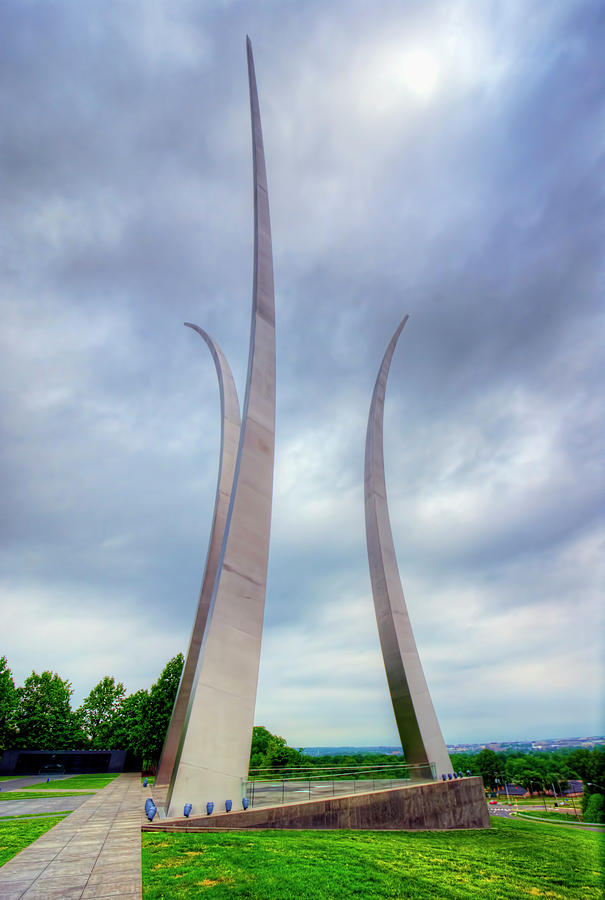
151	808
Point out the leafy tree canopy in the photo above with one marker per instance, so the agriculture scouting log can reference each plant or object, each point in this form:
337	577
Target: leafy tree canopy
8	705
43	719
159	708
594	810
97	715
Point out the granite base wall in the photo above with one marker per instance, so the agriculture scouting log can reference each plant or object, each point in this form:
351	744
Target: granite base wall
434	807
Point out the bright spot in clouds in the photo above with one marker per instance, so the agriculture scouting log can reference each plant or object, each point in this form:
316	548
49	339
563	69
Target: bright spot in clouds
397	78
418	71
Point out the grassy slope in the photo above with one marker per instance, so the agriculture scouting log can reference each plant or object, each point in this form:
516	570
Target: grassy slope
568	818
14	836
513	859
41	795
537	801
42	815
79	782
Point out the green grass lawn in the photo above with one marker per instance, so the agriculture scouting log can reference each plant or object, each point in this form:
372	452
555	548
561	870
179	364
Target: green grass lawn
57	812
550	814
41	795
46	815
80	782
513	859
16	835
539	801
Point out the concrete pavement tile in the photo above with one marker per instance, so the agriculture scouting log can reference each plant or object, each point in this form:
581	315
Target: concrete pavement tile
100	872
54	892
37	847
37	856
106	890
12	874
86	845
123	865
115	877
72	867
13	891
57	840
71	853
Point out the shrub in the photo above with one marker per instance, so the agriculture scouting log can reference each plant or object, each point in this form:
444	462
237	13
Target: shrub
595	809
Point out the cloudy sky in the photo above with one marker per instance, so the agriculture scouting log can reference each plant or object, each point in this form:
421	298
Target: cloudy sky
439	159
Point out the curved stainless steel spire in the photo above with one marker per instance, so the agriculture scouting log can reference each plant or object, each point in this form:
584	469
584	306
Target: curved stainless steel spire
419	729
214	750
230	431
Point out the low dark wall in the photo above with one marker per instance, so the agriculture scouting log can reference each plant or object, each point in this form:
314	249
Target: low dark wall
434	807
71	762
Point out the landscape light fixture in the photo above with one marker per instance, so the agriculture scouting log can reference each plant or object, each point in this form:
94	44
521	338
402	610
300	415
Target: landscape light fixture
150	809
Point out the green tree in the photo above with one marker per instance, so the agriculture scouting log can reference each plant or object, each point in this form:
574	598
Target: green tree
595	809
271	751
129	728
159	708
580	762
258	749
97	715
44	718
463	761
489	767
8	705
589	765
280	756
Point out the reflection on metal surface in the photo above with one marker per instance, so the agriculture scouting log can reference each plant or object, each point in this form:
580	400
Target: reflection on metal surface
230	431
214	748
419	729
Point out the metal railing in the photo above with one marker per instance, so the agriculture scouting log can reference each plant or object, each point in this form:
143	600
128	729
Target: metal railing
272	786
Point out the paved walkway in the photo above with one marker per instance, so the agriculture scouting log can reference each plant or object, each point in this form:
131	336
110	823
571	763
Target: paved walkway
27	781
48	805
93	853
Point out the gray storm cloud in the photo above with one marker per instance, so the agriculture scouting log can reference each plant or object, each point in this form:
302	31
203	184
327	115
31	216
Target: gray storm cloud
435	160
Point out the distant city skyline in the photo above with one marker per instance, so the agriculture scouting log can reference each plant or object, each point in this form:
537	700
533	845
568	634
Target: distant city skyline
544	743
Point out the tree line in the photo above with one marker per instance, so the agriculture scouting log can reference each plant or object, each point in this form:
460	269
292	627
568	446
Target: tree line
537	771
38	715
542	771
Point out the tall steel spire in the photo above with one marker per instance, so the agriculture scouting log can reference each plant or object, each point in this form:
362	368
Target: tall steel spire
419	729
213	754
